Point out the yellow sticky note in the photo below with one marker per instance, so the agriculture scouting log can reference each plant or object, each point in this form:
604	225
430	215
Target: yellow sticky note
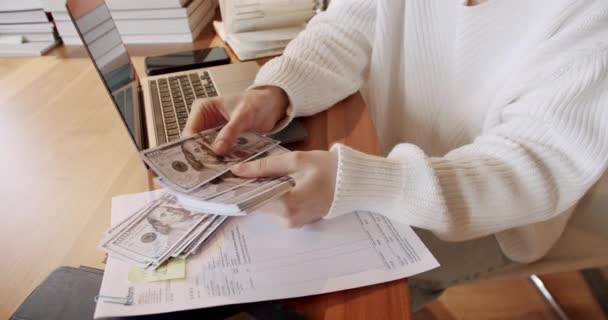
172	269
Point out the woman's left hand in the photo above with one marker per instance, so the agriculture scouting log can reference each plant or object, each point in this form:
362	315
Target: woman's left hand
315	175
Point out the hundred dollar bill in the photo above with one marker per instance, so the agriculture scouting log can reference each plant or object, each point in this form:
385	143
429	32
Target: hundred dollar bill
249	202
252	188
156	230
193	235
224	183
111	233
188	163
242	199
270	189
218	185
176	247
197	244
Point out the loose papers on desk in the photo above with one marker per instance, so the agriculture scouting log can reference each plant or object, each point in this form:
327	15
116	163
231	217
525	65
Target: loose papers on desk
255	258
179	223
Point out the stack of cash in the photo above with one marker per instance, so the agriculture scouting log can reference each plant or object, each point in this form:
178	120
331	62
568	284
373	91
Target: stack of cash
160	231
201	193
202	181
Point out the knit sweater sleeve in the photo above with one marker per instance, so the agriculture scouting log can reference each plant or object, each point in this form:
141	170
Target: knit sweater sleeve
545	150
326	62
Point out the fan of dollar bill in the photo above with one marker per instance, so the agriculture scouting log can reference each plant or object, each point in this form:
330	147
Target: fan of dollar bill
201	193
202	181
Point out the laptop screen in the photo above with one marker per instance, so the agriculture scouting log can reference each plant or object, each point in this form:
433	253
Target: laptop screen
105	47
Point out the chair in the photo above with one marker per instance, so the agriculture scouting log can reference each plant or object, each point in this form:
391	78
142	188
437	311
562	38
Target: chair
583	245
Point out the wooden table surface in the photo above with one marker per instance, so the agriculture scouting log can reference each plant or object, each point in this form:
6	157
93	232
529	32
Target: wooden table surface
66	154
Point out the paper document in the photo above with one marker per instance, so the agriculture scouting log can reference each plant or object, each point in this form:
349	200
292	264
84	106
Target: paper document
255	258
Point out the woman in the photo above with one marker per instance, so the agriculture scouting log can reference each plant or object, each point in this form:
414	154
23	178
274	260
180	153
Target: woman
494	116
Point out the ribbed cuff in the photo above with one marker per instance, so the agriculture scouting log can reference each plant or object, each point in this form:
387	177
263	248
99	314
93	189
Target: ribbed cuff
402	187
293	77
364	182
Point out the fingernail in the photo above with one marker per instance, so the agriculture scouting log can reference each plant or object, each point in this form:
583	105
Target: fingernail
237	167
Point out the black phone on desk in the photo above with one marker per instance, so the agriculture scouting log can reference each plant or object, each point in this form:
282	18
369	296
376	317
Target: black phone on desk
186	60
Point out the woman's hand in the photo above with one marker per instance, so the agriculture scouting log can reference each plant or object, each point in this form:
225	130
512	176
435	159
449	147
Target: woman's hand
258	110
315	176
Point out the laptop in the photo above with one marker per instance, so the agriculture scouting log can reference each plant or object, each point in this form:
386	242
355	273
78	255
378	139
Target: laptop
154	109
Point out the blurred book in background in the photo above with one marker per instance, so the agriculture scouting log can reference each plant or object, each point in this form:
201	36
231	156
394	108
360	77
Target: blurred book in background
263	28
252	28
25	29
144	21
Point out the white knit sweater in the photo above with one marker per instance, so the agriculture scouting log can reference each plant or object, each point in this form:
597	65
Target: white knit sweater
496	115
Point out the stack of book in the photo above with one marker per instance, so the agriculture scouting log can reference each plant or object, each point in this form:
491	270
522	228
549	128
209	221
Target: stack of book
262	28
25	29
144	21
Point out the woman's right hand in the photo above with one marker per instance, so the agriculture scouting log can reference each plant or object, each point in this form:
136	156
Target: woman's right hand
258	109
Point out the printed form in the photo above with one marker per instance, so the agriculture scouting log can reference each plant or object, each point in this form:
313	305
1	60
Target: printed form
255	258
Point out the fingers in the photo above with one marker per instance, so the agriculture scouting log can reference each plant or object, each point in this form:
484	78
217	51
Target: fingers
239	122
280	165
243	112
204	114
312	196
293	211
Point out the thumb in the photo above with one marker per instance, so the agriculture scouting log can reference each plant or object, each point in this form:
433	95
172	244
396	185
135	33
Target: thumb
280	165
238	123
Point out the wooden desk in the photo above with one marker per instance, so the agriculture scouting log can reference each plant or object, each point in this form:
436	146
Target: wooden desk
66	153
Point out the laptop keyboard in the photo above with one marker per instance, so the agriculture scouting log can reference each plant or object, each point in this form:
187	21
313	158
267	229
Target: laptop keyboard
172	98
